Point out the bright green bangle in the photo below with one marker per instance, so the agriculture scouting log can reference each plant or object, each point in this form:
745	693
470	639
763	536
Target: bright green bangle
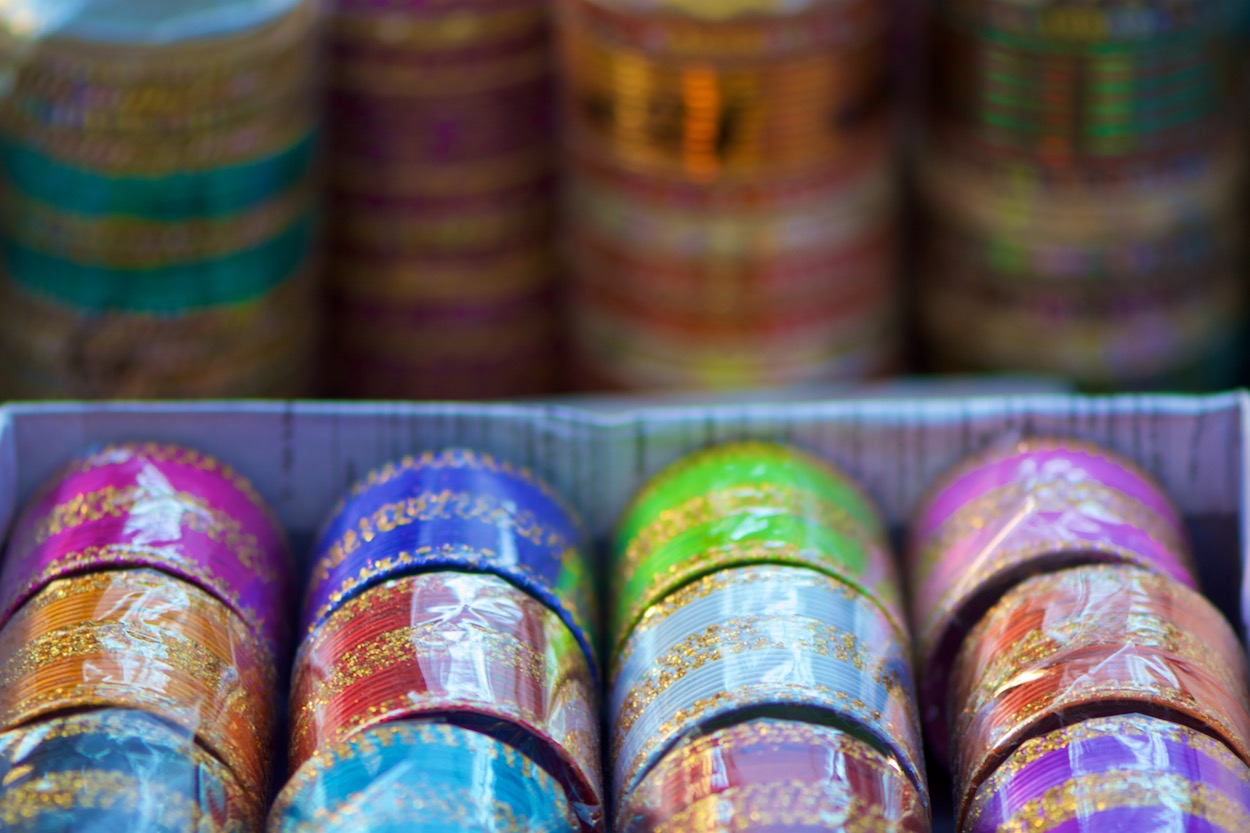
751	538
744	463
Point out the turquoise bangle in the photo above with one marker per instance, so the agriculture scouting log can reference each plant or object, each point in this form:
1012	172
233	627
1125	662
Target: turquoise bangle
183	196
419	777
192	286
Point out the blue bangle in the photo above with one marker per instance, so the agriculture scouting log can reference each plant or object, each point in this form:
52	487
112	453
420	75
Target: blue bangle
117	769
421	777
456	510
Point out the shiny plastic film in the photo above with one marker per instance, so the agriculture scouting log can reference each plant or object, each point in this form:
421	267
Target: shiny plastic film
159	213
1020	508
762	640
116	769
466	648
421	777
1088	642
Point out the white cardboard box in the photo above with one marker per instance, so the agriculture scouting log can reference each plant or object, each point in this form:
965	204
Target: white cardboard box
301	456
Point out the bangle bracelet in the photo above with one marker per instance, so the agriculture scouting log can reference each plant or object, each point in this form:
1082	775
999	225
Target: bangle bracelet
1119	770
686	667
765	775
415	646
417	776
1091	641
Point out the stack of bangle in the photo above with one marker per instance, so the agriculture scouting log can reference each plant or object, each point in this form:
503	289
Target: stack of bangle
1067	148
142	630
443	267
1069	666
159	210
1012	511
449	587
754	581
731	193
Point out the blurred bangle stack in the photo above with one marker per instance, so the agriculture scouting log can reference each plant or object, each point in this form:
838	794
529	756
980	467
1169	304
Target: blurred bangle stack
442	163
730	195
1083	184
158	200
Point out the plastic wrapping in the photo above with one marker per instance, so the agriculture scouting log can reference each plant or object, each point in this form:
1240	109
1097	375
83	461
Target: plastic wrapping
1015	510
1092	641
747	503
143	640
456	510
162	507
772	776
745	640
113	770
1129	772
468	648
417	777
160	211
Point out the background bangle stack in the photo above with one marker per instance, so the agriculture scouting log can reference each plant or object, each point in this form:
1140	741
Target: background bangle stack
143	624
756	623
443	268
730	207
448	623
1055	602
1083	188
158	215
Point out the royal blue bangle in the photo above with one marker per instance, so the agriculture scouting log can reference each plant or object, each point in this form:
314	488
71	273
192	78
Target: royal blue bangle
421	777
456	510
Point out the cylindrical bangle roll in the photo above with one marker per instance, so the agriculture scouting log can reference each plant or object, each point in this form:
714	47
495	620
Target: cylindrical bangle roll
1092	641
161	507
116	769
747	503
767	638
774	776
1123	772
1035	506
143	640
456	510
421	777
465	646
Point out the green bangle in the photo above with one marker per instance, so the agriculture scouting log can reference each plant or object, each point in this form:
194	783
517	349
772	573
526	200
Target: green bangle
738	464
234	279
184	196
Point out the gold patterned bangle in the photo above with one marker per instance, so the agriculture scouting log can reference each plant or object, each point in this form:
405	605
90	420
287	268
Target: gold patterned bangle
431	83
449	31
366	177
416	282
414	236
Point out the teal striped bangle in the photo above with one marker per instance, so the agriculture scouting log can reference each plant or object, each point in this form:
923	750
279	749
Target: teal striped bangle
196	285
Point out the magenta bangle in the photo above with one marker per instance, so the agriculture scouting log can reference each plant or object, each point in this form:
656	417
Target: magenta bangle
1102	773
160	507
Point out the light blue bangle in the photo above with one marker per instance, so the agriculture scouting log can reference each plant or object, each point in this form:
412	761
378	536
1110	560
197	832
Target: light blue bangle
421	777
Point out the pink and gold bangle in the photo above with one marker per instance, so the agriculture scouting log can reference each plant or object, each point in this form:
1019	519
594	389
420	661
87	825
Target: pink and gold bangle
770	776
1090	641
161	507
144	640
1038	505
471	648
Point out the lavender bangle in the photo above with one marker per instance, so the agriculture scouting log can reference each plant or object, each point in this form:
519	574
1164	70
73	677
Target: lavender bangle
162	507
1104	772
456	510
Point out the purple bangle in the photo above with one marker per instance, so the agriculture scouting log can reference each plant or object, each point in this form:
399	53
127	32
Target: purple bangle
160	507
999	467
455	510
1114	769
